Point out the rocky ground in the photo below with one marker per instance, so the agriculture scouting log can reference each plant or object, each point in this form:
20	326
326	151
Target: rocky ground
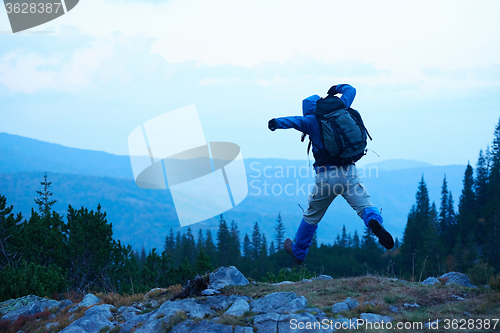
225	301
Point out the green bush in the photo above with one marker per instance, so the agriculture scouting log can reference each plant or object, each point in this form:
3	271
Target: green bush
495	283
30	279
288	275
480	273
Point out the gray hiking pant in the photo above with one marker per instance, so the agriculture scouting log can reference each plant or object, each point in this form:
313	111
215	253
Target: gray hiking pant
329	184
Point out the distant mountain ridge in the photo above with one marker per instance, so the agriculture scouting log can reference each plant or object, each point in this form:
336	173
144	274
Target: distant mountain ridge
24	154
398	164
143	217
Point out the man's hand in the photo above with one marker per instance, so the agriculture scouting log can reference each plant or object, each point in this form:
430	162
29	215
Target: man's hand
332	90
272	124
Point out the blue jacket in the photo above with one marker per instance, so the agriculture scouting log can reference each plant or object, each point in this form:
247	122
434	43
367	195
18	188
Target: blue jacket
308	123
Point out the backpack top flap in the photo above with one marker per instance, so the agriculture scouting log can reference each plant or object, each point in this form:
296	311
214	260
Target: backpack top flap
327	105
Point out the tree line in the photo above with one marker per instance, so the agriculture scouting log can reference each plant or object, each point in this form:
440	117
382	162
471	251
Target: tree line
468	240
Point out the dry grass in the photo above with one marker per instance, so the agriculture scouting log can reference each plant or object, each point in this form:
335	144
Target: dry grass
379	293
179	317
375	294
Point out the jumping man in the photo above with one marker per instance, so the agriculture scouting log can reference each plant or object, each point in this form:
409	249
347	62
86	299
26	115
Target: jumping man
335	175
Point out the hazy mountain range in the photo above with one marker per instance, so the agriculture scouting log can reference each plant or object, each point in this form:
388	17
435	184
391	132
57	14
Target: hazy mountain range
143	217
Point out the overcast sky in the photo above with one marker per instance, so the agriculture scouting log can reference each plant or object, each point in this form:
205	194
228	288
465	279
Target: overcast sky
427	73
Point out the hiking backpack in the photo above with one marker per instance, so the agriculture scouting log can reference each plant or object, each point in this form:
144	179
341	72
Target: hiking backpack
342	130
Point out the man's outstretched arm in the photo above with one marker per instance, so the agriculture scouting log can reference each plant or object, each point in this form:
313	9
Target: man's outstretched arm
348	93
300	123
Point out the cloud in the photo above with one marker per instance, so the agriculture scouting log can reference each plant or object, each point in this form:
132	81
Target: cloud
390	34
262	42
70	68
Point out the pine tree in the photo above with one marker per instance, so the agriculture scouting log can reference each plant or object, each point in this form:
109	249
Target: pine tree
481	182
420	238
177	251
200	242
396	244
223	243
256	242
170	243
235	248
203	263
491	246
433	248
272	249
142	257
280	233
337	240
124	271
368	241
443	210
263	260
43	236
90	246
423	204
247	247
355	240
447	224
44	203
9	232
344	240
188	246
263	248
210	248
494	176
467	209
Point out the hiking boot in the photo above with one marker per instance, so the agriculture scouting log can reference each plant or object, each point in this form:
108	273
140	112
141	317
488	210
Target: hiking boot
288	248
384	238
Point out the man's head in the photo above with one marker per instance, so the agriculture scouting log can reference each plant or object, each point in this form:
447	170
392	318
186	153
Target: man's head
309	104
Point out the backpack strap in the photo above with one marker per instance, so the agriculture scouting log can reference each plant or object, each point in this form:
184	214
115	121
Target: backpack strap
359	121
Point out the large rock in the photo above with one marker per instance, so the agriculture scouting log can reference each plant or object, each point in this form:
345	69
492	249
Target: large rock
456	278
205	326
431	281
94	320
346	305
238	308
220	302
128	312
339	307
281	302
134	322
266	323
88	301
14	304
375	318
351	304
64	303
189	307
227	276
25	306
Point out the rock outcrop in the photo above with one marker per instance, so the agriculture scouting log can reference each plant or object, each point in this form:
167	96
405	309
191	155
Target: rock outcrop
450	278
275	312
